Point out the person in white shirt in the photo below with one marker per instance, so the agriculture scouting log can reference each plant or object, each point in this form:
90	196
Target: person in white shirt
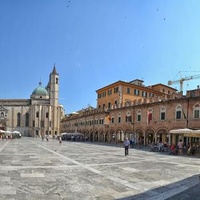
180	147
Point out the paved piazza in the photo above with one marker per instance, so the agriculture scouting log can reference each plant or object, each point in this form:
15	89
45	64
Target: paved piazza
34	169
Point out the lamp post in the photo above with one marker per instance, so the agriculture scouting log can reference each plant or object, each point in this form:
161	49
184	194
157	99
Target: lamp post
129	119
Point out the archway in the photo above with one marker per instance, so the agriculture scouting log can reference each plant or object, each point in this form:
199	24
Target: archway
112	136
96	138
101	136
139	137
162	135
149	136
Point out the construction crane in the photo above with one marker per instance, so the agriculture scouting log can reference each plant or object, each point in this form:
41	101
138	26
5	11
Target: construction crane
180	81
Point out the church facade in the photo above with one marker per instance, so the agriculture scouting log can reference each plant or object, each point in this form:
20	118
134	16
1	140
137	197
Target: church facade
38	116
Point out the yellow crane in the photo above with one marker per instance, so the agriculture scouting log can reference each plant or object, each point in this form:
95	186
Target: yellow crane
180	81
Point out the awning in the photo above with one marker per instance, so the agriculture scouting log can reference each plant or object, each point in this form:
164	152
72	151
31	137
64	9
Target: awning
74	134
195	133
186	132
181	131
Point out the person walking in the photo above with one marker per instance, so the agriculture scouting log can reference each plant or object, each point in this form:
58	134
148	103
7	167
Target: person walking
126	146
60	139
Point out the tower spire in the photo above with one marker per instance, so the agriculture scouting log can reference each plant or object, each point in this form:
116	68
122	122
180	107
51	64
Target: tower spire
54	69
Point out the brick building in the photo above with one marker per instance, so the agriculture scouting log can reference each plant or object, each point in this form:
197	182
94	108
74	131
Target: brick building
146	118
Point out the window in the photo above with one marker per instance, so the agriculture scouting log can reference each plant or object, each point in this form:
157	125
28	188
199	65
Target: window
119	118
42	124
139	115
2	114
178	112
47	115
109	105
151	94
162	113
136	92
101	121
33	123
56	80
128	90
196	111
103	94
144	94
27	119
37	114
196	114
113	120
162	116
116	90
99	96
109	91
18	119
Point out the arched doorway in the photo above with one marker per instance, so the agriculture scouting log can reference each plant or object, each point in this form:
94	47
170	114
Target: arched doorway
149	136
162	135
96	138
139	137
101	136
112	136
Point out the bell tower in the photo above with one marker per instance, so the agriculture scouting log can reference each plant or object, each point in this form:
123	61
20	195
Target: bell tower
53	89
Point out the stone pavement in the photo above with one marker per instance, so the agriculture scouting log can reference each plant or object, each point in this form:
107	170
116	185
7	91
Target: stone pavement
33	169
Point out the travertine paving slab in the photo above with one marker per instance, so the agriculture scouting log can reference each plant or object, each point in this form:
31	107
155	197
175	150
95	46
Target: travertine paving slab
34	169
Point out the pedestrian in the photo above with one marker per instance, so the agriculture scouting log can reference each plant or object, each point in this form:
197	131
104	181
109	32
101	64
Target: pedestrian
126	146
60	139
180	147
131	143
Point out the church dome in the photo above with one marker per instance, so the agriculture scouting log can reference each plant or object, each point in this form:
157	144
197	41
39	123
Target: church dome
40	91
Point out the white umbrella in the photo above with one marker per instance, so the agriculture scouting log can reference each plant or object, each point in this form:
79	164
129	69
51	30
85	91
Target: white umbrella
8	132
181	131
16	132
195	133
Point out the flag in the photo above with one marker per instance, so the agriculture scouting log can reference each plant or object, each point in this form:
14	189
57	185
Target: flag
149	117
107	119
128	118
185	117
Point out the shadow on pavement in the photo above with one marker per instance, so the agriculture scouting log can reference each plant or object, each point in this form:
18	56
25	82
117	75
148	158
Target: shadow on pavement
182	190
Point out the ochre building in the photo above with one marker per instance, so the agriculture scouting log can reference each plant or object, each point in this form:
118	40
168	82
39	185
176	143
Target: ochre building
146	114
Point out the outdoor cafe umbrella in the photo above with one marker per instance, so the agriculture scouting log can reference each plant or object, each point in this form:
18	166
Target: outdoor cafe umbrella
181	131
186	132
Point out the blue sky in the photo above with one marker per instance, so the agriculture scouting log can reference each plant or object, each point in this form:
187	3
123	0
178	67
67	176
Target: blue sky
95	43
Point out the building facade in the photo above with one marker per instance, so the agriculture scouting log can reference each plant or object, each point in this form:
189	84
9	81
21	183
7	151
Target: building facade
146	119
121	93
38	116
